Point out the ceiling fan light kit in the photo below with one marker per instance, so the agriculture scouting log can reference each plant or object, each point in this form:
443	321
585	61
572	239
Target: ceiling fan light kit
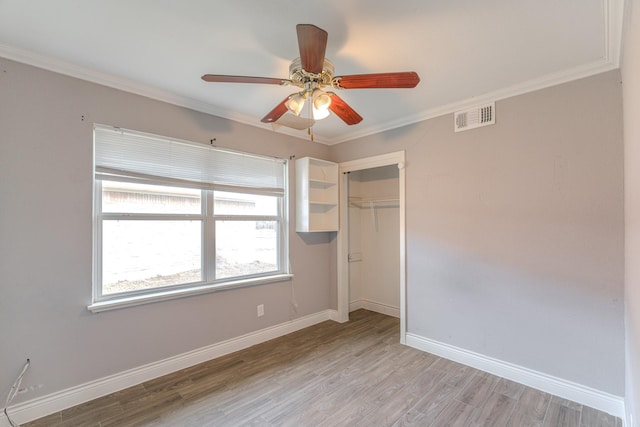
312	72
295	103
321	100
320	113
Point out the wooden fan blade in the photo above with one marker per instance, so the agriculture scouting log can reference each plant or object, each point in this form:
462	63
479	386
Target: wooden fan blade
219	78
312	42
408	79
342	110
295	122
276	113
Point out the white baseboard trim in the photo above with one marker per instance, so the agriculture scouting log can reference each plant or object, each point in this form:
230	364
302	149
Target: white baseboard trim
588	396
374	306
333	315
356	305
49	404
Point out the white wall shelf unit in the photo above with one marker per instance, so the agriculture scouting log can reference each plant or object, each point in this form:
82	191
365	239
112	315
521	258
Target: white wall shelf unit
316	195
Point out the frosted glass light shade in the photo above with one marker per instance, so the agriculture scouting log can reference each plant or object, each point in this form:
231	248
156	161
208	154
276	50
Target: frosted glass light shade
321	100
319	114
295	103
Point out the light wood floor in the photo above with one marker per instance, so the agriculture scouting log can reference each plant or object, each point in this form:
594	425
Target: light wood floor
351	374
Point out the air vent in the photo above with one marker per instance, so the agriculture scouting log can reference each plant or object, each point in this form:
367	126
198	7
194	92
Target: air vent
476	117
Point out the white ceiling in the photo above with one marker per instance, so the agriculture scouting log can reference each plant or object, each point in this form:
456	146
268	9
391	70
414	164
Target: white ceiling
465	51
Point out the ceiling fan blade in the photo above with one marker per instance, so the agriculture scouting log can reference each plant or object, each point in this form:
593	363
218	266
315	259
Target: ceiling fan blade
407	79
219	78
295	122
276	113
343	110
312	42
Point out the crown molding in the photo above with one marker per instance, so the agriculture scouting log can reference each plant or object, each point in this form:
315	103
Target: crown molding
116	82
504	93
613	17
613	11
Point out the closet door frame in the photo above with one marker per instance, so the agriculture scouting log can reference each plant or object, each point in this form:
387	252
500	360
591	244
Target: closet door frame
395	158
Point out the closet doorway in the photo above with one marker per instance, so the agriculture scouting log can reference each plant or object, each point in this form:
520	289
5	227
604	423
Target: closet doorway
371	240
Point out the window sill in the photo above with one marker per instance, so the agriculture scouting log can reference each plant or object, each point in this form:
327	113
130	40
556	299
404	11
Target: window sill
131	301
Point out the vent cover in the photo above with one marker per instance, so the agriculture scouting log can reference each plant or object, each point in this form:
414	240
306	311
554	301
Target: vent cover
476	117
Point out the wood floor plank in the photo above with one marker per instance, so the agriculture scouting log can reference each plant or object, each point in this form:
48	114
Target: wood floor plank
457	374
561	416
567	403
330	375
593	418
429	406
496	411
456	414
53	420
360	414
410	366
145	409
509	388
519	419
425	381
477	390
533	403
87	414
388	413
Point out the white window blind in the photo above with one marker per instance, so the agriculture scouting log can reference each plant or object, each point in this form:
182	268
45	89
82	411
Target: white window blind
140	156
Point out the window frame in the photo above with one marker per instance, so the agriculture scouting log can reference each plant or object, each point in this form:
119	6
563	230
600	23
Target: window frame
283	254
208	218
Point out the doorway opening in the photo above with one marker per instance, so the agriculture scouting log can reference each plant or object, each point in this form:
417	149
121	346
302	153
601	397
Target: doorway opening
372	202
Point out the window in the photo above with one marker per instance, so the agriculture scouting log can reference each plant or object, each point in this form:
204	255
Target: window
174	218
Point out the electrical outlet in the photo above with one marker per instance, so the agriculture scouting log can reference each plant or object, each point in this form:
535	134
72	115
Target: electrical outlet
260	310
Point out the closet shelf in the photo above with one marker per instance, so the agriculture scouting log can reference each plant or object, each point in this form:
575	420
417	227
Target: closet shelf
320	202
362	203
316	195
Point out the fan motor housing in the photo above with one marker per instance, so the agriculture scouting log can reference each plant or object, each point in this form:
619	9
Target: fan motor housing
301	77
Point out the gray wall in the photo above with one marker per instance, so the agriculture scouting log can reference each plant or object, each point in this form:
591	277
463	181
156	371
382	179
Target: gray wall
631	98
515	231
45	238
515	234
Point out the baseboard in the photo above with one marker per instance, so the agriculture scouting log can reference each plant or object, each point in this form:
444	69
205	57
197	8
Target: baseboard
356	305
375	306
588	396
49	404
333	315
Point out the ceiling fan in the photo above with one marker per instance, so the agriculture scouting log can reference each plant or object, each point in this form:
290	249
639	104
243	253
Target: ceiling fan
312	72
